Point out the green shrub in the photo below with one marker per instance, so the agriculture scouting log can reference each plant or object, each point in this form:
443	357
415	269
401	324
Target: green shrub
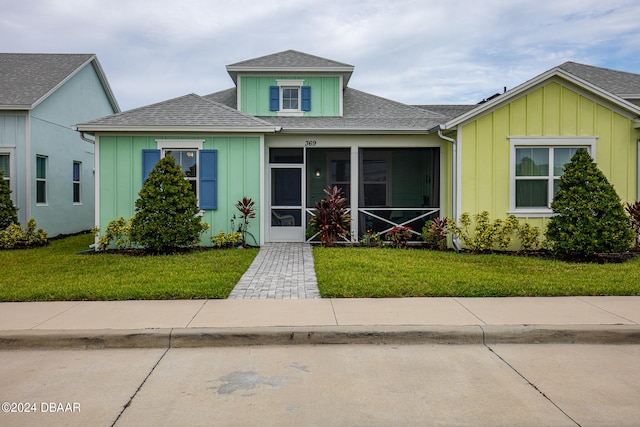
330	217
8	211
15	237
167	215
589	216
371	238
488	235
529	237
224	240
119	231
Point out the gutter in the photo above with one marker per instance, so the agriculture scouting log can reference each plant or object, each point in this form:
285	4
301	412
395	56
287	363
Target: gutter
454	184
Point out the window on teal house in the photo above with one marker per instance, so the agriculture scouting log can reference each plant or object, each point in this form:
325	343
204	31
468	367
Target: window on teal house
290	97
537	169
41	179
76	181
200	168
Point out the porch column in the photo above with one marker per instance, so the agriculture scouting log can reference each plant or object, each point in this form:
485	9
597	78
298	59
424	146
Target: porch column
355	188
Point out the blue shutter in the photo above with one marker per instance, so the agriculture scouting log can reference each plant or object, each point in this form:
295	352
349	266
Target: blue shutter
208	179
274	98
306	98
149	160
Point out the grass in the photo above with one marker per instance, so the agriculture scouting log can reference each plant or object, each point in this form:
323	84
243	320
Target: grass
386	272
58	272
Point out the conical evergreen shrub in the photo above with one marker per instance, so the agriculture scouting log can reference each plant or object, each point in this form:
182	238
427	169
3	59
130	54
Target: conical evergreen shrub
166	215
589	217
8	211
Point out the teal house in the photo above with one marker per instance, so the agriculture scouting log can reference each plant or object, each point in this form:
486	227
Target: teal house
48	168
291	126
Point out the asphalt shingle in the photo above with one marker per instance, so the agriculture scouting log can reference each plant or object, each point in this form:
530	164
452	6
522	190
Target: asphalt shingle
27	77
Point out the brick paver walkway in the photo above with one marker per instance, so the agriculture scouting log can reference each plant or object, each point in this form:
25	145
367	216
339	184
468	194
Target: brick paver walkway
280	271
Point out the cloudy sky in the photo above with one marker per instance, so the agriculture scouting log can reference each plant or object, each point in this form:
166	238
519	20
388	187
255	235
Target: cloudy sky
412	51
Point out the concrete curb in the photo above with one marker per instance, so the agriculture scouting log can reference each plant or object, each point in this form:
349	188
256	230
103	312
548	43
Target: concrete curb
320	335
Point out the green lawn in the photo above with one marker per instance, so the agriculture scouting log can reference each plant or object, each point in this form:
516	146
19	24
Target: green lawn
386	272
58	272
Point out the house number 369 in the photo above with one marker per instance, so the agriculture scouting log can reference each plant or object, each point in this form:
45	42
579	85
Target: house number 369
310	143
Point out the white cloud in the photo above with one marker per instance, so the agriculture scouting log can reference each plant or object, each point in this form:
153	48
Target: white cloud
440	51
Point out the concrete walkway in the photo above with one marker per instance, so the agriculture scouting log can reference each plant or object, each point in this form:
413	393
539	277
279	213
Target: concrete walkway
204	323
280	271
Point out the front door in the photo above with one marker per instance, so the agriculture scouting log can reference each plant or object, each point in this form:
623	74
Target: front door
286	187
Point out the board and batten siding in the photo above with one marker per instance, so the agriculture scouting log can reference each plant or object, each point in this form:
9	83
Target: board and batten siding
325	94
120	169
552	110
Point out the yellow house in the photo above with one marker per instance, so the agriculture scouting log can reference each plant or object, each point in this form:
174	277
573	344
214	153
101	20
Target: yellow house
511	150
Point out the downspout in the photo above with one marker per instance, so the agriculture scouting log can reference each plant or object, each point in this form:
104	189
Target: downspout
454	184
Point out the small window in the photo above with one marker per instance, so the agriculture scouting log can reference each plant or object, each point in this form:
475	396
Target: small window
537	169
290	98
76	181
5	168
187	160
41	179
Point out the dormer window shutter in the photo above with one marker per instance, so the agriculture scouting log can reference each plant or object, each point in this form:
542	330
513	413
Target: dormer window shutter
274	98
305	95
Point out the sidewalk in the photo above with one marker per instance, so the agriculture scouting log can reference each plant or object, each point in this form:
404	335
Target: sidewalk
204	323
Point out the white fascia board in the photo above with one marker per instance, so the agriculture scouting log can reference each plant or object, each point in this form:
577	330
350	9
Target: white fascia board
187	129
355	131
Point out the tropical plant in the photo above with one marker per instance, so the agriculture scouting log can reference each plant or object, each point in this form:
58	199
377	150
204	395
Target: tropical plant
589	217
246	206
434	233
634	213
330	218
8	211
399	236
167	215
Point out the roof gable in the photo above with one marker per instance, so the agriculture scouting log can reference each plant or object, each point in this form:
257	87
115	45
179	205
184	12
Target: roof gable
555	73
26	79
189	112
290	61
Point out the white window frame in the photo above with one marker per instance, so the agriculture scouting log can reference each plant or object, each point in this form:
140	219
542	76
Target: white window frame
11	177
165	145
78	182
39	180
290	84
588	142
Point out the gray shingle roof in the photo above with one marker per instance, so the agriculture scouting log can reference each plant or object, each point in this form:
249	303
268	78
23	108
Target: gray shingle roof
620	83
449	111
25	78
189	112
289	59
362	111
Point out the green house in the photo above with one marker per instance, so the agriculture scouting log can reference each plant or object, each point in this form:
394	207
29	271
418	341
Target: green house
291	126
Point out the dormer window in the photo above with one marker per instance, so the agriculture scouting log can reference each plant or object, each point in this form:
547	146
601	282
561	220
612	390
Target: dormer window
290	98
